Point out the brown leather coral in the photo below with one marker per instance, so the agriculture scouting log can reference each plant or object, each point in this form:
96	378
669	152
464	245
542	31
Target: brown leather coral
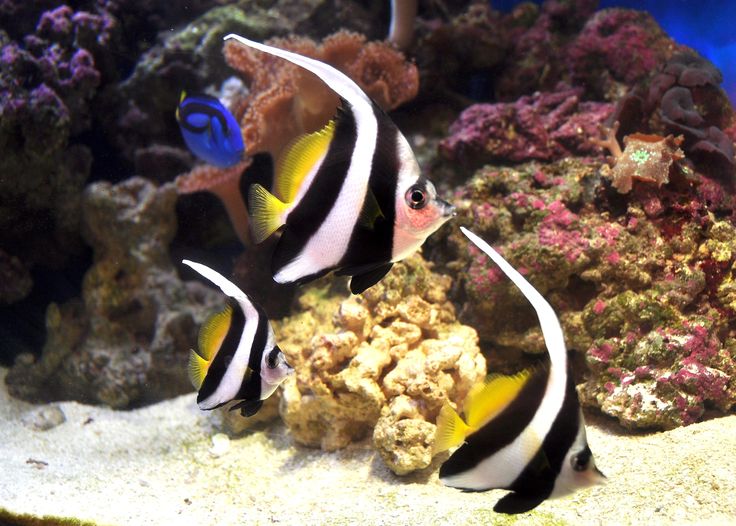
286	101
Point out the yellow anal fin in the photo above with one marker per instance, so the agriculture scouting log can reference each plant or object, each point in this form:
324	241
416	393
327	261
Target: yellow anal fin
451	430
487	399
266	211
213	332
299	158
197	369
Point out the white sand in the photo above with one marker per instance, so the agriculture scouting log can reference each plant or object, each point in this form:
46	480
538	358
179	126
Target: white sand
154	466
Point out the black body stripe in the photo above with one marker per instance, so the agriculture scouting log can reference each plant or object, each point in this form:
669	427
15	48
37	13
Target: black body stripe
224	354
374	244
320	197
502	430
251	390
189	107
538	477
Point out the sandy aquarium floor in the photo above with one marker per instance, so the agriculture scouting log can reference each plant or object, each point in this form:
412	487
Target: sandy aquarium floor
159	465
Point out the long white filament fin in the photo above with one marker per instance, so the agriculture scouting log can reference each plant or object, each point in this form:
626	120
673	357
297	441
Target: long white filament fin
551	329
226	286
335	79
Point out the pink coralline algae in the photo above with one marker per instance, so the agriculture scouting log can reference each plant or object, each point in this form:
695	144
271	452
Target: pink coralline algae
533	49
685	370
617	47
646	291
543	126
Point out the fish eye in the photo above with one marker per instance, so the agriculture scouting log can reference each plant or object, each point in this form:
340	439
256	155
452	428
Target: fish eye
581	461
416	197
272	360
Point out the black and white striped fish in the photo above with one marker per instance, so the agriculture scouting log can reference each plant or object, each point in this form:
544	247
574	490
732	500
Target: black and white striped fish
524	433
238	359
351	195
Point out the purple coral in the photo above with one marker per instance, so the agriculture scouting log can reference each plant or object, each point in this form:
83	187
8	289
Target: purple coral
47	83
617	46
543	126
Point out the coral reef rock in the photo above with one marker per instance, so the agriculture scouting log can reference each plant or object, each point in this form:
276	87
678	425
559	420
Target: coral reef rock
643	283
125	342
543	126
383	362
684	97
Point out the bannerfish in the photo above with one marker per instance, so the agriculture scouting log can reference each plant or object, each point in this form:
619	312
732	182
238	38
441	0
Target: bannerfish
210	130
351	196
525	432
237	359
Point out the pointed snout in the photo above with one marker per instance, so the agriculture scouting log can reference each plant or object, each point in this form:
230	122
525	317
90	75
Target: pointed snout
447	209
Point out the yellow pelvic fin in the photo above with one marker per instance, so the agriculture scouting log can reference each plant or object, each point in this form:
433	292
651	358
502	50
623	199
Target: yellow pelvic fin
266	212
213	332
371	211
451	430
299	158
197	369
487	399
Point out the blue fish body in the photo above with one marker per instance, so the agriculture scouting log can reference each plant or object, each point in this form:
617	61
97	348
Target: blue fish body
210	130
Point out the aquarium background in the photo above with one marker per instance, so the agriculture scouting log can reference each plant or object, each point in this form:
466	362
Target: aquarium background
627	229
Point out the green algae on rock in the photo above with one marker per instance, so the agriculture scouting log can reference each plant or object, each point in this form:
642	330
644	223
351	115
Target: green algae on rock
383	362
125	341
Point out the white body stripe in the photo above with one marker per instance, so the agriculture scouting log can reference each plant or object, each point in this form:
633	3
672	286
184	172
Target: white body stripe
230	384
328	244
326	248
501	469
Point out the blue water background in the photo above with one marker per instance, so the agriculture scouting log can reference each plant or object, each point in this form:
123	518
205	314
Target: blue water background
705	25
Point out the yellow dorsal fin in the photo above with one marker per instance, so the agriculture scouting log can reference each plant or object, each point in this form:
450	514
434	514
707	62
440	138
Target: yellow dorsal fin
299	158
487	399
266	212
197	369
451	430
213	332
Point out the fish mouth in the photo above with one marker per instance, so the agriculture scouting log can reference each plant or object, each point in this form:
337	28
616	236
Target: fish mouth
447	209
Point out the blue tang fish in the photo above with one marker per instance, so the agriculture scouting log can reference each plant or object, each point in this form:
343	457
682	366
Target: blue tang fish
210	130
